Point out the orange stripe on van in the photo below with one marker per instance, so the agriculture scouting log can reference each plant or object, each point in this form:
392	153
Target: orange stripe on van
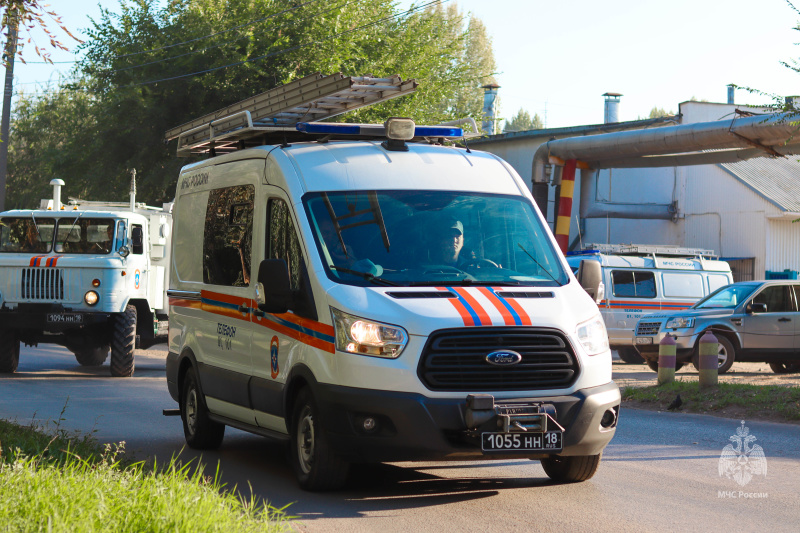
507	318
462	311
477	308
523	316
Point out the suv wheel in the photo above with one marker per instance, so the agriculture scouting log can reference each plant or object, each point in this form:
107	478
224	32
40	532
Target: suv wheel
725	357
785	368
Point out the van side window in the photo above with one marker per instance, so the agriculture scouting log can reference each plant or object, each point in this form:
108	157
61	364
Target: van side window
682	285
283	243
776	298
638	284
228	236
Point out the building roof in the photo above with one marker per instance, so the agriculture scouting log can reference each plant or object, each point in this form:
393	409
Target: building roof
775	178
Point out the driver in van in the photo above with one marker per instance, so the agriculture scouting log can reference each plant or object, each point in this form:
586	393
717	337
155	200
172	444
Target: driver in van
448	242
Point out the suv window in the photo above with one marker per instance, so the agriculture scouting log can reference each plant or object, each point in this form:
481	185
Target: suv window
638	284
228	236
776	298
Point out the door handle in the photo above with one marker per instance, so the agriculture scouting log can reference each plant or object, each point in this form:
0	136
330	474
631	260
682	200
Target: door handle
244	309
784	319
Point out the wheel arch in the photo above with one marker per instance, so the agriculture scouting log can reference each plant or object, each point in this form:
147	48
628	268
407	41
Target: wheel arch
186	361
720	329
299	377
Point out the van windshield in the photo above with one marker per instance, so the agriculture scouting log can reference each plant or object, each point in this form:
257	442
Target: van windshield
410	238
727	297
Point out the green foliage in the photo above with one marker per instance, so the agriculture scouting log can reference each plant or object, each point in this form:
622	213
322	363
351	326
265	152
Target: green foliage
658	112
523	121
136	83
69	483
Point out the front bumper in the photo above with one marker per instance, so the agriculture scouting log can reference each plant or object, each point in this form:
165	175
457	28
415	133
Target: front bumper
415	427
685	342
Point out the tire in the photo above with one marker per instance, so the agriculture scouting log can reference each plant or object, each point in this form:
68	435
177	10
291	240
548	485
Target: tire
785	368
727	354
629	355
9	351
654	365
570	469
200	431
123	341
316	466
92	357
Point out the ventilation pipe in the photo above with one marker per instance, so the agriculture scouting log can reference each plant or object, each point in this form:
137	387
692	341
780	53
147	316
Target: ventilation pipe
133	190
489	108
57	184
731	89
611	114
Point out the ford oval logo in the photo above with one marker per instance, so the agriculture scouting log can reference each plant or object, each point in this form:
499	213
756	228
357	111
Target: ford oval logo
503	358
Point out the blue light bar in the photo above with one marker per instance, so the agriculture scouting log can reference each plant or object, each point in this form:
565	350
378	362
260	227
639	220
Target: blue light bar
377	130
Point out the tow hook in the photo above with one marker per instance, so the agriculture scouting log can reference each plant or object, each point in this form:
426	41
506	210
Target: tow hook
511	417
171	412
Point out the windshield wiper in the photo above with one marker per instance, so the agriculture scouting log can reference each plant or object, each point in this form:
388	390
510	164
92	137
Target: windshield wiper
366	275
538	263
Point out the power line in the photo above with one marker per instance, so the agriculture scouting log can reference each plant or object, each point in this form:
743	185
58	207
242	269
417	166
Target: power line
290	49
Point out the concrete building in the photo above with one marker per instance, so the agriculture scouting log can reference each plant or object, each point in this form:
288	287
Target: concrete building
743	211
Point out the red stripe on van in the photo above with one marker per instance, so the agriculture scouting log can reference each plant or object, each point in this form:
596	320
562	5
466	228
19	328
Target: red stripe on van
523	316
462	311
507	318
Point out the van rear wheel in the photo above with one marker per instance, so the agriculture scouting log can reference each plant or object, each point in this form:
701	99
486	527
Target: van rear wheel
9	351
123	341
316	466
572	468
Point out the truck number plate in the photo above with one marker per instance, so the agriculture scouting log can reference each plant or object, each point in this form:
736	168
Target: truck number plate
521	442
66	318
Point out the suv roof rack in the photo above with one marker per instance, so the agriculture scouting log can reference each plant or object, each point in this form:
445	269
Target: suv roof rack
645	249
278	111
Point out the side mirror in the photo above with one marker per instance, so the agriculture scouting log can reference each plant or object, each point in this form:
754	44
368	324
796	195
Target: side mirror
754	307
590	276
274	293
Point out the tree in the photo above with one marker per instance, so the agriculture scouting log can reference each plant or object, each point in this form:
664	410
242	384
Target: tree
658	112
156	65
26	16
522	121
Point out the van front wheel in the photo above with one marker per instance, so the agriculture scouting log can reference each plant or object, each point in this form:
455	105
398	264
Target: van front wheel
316	466
200	431
571	468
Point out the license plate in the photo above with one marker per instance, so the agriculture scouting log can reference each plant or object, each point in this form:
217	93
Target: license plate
521	442
644	340
66	318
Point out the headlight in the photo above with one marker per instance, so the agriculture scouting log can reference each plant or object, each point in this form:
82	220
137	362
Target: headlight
90	298
364	337
680	322
592	335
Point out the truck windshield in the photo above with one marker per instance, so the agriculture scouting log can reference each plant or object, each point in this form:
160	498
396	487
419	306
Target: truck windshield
727	297
24	235
85	235
410	238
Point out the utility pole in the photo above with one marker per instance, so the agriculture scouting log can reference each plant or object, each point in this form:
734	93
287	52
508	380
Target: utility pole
8	56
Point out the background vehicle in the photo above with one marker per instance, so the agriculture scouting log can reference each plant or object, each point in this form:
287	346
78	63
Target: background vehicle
639	279
311	302
753	321
90	276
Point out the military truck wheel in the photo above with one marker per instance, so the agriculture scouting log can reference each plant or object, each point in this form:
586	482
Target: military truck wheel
123	341
93	356
9	351
629	355
571	468
200	431
315	464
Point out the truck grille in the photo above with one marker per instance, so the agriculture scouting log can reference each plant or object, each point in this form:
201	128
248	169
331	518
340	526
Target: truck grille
455	360
45	284
648	328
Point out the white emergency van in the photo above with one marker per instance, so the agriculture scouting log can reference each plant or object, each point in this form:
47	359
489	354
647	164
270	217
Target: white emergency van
88	275
641	279
370	294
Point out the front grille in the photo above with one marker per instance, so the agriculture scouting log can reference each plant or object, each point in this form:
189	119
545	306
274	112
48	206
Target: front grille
648	328
46	284
455	360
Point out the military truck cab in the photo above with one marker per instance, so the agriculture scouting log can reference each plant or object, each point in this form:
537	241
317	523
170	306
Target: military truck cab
89	276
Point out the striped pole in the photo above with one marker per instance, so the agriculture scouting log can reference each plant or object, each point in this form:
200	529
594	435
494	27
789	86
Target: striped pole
708	360
565	204
666	360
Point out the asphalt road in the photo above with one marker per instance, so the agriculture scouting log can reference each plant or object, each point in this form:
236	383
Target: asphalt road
660	473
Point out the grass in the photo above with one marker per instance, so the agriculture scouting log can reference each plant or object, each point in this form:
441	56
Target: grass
770	402
53	481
